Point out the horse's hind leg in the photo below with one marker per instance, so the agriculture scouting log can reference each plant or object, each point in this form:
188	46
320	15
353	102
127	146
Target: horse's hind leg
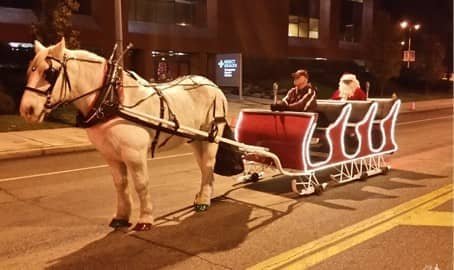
136	163
119	174
205	154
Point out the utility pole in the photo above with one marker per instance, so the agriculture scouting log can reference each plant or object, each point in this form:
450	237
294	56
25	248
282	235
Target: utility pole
409	47
119	29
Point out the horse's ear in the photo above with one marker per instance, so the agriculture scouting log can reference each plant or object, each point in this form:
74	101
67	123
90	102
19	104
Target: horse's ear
59	49
38	46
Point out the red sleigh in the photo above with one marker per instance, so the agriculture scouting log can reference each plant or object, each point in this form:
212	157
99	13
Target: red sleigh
351	136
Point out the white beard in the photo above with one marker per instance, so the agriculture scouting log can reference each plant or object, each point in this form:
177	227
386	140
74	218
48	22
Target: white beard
346	90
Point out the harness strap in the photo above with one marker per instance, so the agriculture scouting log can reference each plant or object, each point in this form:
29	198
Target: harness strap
163	129
166	140
172	115
158	130
36	90
162	102
214	124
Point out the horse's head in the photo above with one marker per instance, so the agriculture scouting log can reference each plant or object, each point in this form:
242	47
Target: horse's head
43	73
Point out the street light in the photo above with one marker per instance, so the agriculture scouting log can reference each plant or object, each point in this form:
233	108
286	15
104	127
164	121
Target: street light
410	26
404	24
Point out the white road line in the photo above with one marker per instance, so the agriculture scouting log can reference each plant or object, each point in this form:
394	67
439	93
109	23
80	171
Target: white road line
80	169
423	120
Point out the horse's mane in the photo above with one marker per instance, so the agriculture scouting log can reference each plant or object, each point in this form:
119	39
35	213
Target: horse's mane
83	54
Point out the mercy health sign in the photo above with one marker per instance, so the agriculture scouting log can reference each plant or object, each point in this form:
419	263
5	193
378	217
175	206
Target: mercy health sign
229	66
229	71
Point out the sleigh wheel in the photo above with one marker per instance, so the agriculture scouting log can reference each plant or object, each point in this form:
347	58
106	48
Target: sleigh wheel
250	177
320	188
363	176
255	177
302	188
385	170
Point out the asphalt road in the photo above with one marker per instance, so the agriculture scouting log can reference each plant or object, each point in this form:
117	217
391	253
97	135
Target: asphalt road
54	213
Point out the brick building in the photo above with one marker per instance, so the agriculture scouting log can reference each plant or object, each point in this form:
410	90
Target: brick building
187	34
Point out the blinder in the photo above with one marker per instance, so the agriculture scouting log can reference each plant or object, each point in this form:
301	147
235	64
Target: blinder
51	74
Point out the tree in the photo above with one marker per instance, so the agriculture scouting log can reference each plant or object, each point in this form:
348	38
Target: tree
54	22
430	59
384	50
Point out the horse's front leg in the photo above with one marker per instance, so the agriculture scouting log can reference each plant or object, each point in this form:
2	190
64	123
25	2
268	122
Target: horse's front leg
136	163
205	154
119	174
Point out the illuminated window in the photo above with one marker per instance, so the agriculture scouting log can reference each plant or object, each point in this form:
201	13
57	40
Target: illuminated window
304	19
351	20
180	12
313	28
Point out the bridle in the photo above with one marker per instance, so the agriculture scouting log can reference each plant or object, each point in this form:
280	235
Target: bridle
52	74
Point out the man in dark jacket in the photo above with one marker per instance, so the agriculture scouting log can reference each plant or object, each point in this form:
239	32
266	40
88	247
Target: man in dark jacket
301	98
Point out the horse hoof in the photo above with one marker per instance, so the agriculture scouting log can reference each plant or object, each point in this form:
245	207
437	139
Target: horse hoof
140	227
201	207
119	223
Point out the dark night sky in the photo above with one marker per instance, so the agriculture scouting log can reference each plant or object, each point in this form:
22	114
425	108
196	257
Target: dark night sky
435	17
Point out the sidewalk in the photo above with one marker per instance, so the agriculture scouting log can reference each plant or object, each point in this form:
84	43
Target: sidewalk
20	144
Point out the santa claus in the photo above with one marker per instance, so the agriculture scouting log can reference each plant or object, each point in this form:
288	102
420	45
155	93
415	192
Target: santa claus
349	89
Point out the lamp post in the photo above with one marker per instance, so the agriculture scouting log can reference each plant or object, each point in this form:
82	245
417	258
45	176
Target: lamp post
119	29
411	27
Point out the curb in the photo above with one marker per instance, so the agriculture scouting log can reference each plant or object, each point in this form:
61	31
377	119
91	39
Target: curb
44	151
404	108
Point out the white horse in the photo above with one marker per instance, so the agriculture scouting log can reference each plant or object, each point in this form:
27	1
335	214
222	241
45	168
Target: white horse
124	144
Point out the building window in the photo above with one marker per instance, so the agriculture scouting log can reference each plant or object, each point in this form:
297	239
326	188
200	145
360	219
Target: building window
304	19
179	12
24	4
351	20
84	7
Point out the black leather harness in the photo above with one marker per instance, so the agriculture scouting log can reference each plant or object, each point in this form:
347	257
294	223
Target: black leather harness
105	106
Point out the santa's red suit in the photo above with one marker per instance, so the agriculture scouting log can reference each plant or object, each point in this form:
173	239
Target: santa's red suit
349	89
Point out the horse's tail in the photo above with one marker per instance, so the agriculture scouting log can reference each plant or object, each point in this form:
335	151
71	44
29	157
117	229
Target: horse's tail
229	159
222	104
